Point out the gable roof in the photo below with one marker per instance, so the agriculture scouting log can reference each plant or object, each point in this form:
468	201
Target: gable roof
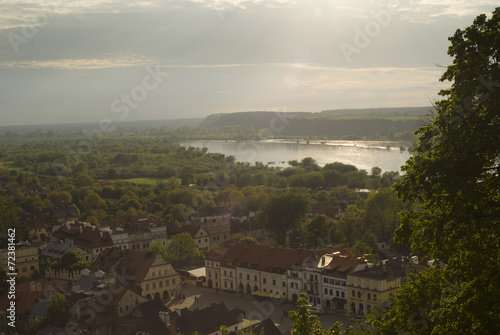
266	327
34	223
134	223
132	264
85	235
193	230
207	320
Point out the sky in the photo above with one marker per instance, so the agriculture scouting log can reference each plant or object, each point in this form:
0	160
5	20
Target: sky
98	60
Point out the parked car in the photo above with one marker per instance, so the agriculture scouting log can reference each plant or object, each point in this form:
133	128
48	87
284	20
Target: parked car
317	310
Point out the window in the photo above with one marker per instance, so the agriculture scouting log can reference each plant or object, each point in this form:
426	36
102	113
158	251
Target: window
353	293
206	240
126	308
225	273
374	297
325	280
283	284
248	277
274	282
255	278
173	281
240	276
167	282
154	274
359	294
225	284
337	293
121	309
231	285
160	284
343	294
216	275
291	285
369	296
264	280
147	286
154	286
326	291
165	272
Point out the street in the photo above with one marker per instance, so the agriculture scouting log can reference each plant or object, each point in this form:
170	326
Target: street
200	297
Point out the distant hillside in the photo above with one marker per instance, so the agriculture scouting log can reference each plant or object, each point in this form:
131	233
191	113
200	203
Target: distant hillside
122	125
372	123
388	111
258	120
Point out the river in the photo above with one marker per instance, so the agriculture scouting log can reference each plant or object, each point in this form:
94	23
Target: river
362	154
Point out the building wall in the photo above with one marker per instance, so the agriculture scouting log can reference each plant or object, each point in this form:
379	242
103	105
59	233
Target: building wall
26	259
273	283
161	280
128	302
212	270
365	294
228	279
249	279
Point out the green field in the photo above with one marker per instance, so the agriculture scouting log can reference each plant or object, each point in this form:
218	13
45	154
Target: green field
144	181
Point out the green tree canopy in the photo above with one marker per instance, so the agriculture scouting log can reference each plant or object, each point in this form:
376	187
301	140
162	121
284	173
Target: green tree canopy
57	310
317	232
454	177
281	213
182	247
304	323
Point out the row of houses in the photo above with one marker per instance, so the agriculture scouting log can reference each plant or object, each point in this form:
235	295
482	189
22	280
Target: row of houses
329	277
123	293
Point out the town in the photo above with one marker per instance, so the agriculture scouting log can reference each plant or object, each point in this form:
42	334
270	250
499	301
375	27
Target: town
128	286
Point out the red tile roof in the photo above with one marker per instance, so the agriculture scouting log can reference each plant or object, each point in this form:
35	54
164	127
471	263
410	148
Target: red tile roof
133	223
133	264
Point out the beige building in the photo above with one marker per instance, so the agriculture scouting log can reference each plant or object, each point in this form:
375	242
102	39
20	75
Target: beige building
148	272
373	287
217	223
200	237
26	259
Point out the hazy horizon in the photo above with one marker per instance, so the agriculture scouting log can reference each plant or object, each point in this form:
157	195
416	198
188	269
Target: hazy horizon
85	61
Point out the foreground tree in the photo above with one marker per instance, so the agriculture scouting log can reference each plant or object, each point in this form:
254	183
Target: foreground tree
304	323
454	177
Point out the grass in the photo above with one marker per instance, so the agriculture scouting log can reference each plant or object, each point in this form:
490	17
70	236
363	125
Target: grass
145	181
8	166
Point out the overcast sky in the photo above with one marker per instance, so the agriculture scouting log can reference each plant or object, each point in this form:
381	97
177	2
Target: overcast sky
88	60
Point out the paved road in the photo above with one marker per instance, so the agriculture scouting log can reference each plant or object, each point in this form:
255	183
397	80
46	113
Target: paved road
199	297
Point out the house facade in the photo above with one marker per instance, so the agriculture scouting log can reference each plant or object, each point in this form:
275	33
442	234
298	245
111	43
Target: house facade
148	273
373	286
276	272
216	221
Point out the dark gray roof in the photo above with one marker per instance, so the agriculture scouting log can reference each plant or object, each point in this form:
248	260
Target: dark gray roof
56	250
86	282
207	320
40	308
